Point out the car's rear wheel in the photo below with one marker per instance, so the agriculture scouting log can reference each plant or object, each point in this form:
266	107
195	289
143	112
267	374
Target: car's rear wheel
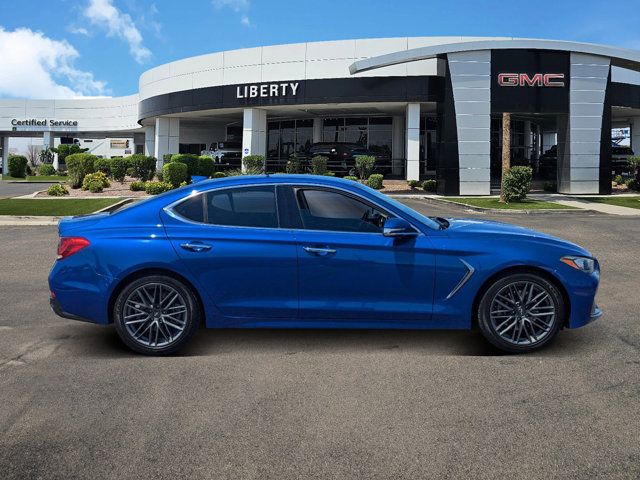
156	315
521	312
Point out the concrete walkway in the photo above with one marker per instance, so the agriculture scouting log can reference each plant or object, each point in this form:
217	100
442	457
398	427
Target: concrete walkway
584	203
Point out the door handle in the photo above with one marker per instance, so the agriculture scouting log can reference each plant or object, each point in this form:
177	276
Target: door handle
319	251
196	247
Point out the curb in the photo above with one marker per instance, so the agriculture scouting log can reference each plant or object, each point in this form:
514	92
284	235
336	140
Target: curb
536	211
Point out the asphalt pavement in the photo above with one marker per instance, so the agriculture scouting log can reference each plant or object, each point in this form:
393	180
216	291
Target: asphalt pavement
14	189
259	404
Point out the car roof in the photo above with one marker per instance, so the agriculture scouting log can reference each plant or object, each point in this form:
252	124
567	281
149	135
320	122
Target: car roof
278	178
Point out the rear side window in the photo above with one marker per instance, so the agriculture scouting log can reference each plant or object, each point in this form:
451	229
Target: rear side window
242	207
191	209
333	211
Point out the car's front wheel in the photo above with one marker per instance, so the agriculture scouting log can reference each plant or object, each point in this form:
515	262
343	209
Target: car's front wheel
520	312
156	315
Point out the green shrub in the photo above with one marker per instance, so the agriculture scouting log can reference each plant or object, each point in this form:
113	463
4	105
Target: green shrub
517	183
143	167
634	165
413	184
319	165
253	163
365	165
350	177
632	184
550	187
94	179
46	169
166	158
94	186
130	172
137	186
154	188
66	150
617	180
160	175
375	181
205	166
102	165
234	172
175	173
219	175
294	165
79	165
190	160
29	171
17	166
429	186
183	184
119	167
57	190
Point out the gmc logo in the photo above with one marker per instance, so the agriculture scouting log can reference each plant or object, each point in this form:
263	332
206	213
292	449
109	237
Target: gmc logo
537	80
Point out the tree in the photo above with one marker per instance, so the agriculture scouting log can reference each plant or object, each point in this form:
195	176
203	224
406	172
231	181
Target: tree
506	151
67	149
33	154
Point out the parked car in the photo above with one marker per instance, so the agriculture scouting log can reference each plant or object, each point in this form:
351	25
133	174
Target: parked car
301	251
619	156
341	156
225	153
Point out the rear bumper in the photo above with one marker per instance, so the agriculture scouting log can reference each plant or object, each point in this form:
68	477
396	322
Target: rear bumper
57	309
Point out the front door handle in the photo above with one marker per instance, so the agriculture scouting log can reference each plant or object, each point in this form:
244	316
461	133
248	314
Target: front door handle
196	246
319	251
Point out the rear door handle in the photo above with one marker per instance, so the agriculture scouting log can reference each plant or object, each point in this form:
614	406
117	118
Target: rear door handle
196	246
319	251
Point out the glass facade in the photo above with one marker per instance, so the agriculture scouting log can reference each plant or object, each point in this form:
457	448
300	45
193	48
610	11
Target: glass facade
286	137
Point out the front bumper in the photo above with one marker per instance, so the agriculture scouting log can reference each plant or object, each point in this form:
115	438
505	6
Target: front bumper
595	313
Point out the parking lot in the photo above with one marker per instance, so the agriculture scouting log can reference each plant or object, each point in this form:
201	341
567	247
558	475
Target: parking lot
251	404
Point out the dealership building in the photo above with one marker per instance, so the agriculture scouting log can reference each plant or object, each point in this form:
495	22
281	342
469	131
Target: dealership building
428	107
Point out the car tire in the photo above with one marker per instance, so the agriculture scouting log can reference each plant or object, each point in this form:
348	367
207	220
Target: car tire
520	312
156	315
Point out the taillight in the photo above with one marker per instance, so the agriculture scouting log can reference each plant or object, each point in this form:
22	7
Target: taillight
70	245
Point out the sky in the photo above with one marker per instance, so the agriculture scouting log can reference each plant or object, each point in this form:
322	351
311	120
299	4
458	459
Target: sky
67	49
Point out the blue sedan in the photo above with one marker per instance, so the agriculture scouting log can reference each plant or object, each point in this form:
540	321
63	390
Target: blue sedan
301	251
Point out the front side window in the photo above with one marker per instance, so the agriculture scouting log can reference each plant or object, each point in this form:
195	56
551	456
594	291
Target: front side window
237	207
333	211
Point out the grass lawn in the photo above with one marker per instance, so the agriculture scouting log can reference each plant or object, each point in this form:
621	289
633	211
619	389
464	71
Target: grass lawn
56	207
38	178
631	202
527	204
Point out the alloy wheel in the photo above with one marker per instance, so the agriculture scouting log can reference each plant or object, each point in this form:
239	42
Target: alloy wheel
155	315
522	313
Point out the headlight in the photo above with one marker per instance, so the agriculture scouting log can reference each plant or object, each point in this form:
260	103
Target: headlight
585	264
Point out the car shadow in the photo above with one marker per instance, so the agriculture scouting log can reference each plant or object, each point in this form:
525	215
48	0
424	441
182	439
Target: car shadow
104	342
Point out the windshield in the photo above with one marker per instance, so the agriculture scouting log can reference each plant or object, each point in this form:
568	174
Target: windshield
429	222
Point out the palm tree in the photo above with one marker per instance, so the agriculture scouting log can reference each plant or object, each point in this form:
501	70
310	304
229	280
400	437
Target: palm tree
506	150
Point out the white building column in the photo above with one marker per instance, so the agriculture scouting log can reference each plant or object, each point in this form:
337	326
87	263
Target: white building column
150	141
5	155
166	138
254	132
317	130
397	145
412	138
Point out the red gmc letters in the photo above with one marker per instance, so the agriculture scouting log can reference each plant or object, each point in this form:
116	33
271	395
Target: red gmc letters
536	80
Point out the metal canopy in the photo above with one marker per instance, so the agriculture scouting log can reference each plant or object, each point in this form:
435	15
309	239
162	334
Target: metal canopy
620	57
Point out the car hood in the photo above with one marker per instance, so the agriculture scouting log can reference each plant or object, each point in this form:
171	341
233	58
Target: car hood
506	231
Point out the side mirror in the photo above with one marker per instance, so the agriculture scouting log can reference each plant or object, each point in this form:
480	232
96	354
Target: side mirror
398	227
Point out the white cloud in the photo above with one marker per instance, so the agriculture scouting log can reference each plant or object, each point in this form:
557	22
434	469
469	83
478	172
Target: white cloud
35	66
103	14
78	30
238	6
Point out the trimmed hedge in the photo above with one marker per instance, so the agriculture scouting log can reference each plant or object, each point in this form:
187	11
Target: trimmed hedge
429	185
253	164
155	188
517	183
18	166
119	167
190	160
95	182
137	186
78	166
57	190
351	177
219	175
319	165
205	166
375	181
102	165
143	167
365	165
175	173
46	169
